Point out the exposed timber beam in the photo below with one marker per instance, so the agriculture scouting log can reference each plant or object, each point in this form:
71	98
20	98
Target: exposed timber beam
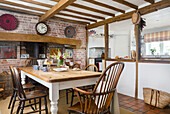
4	36
92	9
68	10
74	16
85	14
105	5
62	4
39	14
126	3
150	1
145	10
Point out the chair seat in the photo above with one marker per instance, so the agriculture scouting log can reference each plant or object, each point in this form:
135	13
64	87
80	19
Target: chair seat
28	86
1	89
35	94
77	107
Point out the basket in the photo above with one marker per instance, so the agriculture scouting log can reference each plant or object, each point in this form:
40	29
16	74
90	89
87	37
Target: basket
156	98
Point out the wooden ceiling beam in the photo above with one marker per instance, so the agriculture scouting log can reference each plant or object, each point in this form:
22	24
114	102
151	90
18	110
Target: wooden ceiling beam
43	10
91	9
68	10
126	3
85	14
62	4
145	10
20	5
105	5
84	18
150	1
39	14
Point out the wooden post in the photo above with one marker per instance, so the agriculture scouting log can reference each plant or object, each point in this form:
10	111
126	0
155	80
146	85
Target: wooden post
87	41
106	32
137	36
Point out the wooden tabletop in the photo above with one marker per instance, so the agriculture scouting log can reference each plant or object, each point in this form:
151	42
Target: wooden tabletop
54	76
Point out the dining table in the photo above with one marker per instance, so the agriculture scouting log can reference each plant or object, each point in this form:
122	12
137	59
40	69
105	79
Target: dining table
57	81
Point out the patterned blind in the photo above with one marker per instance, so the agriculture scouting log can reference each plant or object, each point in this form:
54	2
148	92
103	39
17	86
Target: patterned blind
157	36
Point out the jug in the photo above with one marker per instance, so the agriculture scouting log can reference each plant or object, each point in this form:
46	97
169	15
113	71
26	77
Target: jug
40	64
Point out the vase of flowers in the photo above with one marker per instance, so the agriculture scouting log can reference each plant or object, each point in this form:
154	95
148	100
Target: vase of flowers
59	57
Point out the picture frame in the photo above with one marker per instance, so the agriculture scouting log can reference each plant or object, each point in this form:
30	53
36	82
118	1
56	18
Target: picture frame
25	56
8	52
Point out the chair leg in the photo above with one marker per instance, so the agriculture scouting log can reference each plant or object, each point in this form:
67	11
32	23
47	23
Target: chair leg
19	107
39	105
31	105
35	104
72	97
3	94
67	96
45	101
11	99
22	107
15	95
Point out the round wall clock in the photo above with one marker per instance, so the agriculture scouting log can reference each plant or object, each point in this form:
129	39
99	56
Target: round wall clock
136	18
69	32
41	28
8	22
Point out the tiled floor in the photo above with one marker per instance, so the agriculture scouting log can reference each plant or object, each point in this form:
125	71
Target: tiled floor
139	107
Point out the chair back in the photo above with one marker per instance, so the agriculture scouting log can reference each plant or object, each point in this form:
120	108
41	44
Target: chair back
91	65
98	102
76	65
21	93
106	85
12	76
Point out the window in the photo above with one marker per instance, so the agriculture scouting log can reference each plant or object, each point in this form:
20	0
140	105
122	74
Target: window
156	45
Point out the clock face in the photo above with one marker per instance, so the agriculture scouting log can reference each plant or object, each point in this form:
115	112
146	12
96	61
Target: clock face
41	28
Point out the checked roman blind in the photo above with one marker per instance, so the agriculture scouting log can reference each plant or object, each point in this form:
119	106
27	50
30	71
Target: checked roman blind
157	36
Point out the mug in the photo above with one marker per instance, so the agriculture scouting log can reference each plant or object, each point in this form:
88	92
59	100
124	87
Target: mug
45	69
35	67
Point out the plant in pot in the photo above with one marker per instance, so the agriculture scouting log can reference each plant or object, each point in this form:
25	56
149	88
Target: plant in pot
153	51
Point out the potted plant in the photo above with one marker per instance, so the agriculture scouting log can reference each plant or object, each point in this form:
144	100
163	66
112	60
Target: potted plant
153	51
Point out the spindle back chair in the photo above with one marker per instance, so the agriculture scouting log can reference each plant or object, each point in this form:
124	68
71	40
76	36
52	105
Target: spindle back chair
91	65
76	65
28	96
98	101
15	90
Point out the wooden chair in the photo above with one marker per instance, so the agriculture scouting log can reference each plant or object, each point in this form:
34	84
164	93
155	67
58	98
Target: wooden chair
28	96
91	65
2	90
98	101
75	65
89	87
15	89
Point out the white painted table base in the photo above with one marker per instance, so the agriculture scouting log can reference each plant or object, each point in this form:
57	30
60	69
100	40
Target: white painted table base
56	86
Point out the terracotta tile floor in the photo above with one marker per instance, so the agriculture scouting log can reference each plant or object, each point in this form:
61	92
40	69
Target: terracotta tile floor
139	107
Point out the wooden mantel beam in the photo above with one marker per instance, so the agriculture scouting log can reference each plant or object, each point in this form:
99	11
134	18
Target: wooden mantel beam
62	4
4	36
145	10
150	1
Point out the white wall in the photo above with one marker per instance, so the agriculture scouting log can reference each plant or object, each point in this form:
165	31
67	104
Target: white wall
153	75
